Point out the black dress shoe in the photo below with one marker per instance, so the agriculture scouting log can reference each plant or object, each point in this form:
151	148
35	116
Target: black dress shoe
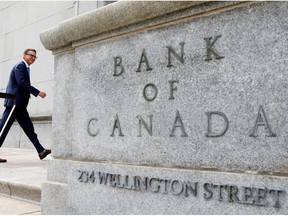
44	154
3	160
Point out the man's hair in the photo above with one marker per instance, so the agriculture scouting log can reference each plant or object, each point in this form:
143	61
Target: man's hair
27	50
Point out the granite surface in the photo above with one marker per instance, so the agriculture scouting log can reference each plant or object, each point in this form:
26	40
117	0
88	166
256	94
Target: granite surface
241	91
198	106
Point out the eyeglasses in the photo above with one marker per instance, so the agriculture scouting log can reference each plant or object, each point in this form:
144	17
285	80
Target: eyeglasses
32	56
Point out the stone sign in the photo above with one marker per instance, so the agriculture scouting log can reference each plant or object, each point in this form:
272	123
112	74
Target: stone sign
170	108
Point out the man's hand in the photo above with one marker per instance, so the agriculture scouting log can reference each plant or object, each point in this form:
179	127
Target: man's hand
42	94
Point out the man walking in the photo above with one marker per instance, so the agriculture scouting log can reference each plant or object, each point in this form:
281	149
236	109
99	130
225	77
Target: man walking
19	85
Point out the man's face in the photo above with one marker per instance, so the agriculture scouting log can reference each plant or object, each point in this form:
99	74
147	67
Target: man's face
30	57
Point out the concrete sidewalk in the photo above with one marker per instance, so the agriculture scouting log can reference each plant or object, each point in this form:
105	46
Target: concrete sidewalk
21	181
13	206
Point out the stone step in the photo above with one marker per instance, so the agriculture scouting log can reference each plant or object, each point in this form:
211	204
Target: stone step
20	191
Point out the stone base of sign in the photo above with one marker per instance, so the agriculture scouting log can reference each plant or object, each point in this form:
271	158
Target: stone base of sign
106	188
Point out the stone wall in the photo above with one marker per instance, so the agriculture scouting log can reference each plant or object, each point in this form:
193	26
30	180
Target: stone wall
170	108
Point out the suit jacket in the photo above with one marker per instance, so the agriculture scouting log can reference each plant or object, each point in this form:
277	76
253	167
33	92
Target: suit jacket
19	85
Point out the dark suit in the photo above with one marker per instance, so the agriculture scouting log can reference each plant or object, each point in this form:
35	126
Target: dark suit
19	85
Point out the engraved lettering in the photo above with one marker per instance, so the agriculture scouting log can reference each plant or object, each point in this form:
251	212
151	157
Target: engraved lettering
118	181
174	188
84	176
262	121
135	184
142	122
188	186
156	187
80	179
166	182
103	177
172	51
145	93
117	125
208	194
144	59
209	131
220	190
127	186
172	88
232	193
118	64
92	177
277	197
260	197
248	195
210	49
178	123
113	181
141	183
92	124
257	196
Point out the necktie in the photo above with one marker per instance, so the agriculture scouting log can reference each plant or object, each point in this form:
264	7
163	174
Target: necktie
28	69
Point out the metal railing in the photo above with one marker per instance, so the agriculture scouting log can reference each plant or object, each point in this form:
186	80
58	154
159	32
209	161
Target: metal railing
12	97
8	96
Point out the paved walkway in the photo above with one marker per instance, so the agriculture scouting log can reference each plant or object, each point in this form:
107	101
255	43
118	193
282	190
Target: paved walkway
21	181
12	206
